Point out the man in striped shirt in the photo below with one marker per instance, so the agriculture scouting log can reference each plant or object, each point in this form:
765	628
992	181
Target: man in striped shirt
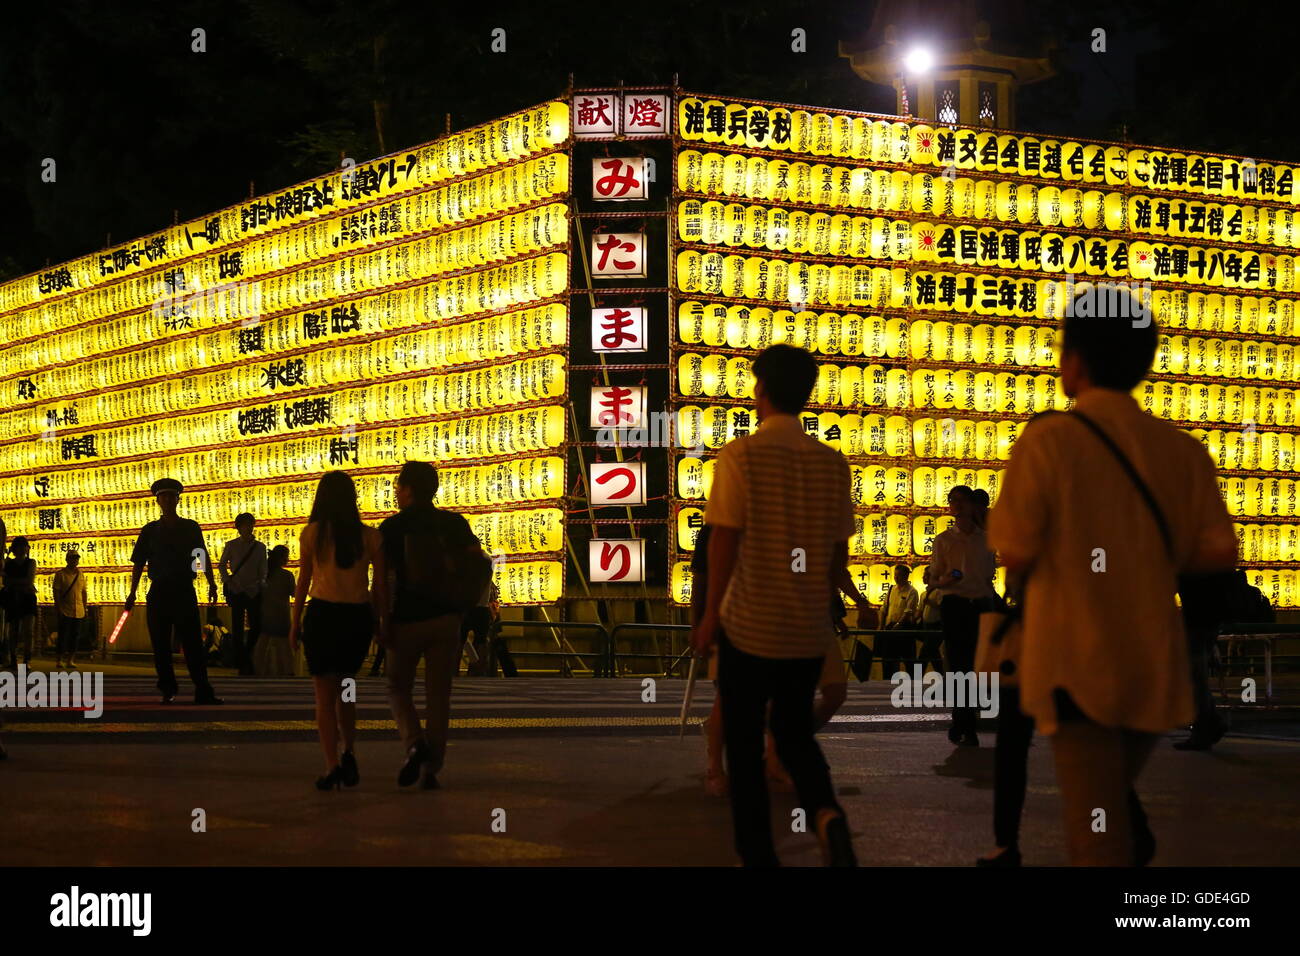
781	514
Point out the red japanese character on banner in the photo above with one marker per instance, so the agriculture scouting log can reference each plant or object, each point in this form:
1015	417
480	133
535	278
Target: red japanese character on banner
618	253
618	330
616	560
616	552
617	483
645	114
612	400
622	179
594	115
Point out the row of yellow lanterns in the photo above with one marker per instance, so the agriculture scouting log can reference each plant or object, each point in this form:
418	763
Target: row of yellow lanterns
855	386
532	531
818	133
794	232
284	414
493	386
741	176
495	336
757	326
460	154
1279	585
210	285
927	487
480	436
495	289
518	582
801	284
517	480
522	234
711	427
718	325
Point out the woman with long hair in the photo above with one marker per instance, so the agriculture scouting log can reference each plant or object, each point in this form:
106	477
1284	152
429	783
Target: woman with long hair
20	601
336	552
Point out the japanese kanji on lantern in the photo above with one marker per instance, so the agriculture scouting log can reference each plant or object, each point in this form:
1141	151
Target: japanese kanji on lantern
412	307
928	268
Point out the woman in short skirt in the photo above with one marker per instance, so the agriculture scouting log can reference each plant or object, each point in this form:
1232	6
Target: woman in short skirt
336	552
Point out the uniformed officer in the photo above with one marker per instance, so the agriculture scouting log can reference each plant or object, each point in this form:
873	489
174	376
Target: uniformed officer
175	552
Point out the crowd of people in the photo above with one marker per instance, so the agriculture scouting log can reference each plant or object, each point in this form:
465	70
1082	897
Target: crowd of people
1105	514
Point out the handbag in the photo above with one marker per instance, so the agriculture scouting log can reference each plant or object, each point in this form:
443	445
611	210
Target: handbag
225	588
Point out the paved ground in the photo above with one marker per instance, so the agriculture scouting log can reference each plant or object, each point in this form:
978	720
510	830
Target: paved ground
584	771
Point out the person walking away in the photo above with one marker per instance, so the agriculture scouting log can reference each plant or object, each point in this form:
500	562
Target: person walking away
961	568
174	551
782	512
439	572
20	601
69	590
243	588
273	657
335	554
1103	665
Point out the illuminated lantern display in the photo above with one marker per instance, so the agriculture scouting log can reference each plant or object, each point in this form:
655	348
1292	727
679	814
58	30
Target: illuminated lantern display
431	305
932	303
409	308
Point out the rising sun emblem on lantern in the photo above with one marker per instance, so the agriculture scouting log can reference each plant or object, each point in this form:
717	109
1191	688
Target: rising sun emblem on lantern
925	238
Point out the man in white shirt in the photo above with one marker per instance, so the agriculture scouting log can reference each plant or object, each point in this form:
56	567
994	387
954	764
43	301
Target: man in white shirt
902	606
243	575
961	569
781	513
1104	666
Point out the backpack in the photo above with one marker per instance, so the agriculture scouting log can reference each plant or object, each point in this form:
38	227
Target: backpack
452	578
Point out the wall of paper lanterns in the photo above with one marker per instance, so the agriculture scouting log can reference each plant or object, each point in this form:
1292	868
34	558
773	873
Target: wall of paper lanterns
411	307
928	270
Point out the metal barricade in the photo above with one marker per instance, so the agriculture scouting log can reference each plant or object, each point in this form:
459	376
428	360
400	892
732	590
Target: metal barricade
600	657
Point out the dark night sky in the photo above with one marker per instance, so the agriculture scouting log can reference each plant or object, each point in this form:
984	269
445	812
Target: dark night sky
141	126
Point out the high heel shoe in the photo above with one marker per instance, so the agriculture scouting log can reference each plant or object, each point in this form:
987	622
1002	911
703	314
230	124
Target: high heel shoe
1008	857
331	781
350	774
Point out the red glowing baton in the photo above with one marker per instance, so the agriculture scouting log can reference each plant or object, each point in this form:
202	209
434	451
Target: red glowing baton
117	628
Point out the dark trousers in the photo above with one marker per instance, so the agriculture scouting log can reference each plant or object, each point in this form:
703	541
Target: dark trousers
241	604
1011	772
1010	766
746	684
477	626
1200	647
897	651
69	631
961	631
175	615
930	652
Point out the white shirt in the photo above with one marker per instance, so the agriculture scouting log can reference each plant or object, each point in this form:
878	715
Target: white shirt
789	495
901	605
955	550
1100	618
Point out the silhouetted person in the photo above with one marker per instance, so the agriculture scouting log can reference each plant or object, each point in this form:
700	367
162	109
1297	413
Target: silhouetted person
776	493
243	575
335	554
173	549
1101	510
20	601
69	591
961	568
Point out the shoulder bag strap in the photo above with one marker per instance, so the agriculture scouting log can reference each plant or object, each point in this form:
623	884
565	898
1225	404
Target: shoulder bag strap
1141	485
